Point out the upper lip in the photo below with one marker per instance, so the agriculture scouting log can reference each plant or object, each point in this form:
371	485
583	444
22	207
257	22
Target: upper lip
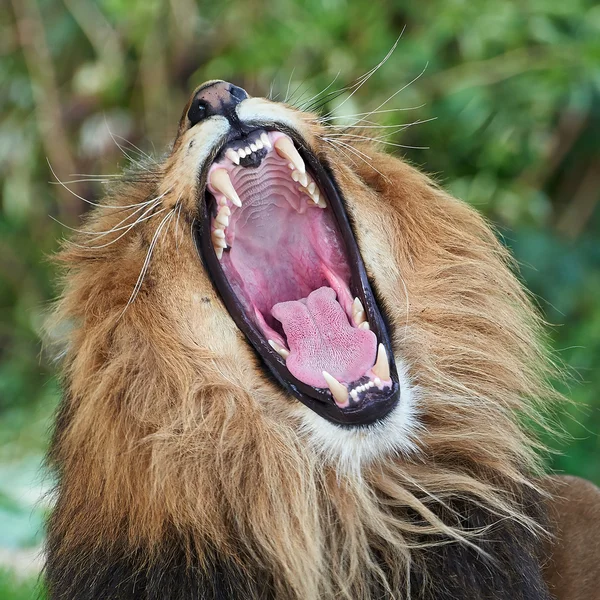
318	399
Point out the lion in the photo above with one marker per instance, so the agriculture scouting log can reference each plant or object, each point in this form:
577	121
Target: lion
294	367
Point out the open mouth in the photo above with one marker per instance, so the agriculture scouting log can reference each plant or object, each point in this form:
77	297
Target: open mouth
276	241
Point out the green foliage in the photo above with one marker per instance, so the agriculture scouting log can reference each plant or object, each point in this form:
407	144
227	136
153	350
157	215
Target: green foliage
513	89
13	587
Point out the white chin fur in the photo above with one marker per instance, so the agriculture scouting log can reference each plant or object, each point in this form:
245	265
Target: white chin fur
350	449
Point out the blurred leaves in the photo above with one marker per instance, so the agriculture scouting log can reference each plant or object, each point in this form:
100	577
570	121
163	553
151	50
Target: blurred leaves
513	88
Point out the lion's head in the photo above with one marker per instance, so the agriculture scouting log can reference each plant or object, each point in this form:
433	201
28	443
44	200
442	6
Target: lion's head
294	348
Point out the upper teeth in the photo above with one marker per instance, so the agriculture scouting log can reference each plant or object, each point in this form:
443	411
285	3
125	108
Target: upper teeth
224	191
264	138
220	181
358	313
233	156
286	149
381	368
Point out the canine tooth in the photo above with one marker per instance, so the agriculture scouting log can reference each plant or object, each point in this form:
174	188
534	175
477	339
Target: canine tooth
381	368
364	325
220	180
219	253
253	147
286	149
265	140
338	391
233	156
284	352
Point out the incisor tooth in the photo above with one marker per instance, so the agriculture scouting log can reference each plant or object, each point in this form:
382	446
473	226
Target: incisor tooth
338	391
284	352
220	180
259	144
241	153
253	147
354	394
233	156
265	140
286	149
381	368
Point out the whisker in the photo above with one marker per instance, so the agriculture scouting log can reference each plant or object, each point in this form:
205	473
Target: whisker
287	93
308	102
378	112
370	73
335	144
143	217
400	90
133	146
99	234
99	205
147	260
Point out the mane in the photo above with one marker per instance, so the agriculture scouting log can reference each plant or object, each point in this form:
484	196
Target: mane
158	441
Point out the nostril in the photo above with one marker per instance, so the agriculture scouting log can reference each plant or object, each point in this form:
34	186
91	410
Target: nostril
238	93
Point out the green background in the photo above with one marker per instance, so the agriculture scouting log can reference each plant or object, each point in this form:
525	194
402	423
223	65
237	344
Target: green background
509	112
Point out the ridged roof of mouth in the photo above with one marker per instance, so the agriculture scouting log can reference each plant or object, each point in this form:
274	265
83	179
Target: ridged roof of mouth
277	243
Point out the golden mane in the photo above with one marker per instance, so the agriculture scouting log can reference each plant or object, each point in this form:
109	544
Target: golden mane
169	426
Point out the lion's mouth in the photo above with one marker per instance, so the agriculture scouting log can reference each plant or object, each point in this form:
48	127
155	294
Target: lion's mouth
277	243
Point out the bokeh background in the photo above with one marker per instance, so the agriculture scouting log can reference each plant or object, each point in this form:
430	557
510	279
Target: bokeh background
503	110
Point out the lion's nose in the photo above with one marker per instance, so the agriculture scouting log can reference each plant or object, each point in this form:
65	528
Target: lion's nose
215	98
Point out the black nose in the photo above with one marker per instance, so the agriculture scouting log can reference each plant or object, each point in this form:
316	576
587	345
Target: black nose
215	98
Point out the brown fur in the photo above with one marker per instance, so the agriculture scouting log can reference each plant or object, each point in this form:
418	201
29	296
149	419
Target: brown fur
573	571
169	423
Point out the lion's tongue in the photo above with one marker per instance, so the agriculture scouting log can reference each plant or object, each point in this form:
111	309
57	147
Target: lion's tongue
320	338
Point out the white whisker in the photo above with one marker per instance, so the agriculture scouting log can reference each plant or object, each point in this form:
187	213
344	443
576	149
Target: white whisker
400	90
143	217
365	158
147	260
378	112
361	81
59	182
307	102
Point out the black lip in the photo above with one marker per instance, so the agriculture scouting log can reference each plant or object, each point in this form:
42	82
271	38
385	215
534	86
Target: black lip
376	404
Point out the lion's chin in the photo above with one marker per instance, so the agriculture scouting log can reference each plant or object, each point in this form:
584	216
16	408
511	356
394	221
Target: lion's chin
276	240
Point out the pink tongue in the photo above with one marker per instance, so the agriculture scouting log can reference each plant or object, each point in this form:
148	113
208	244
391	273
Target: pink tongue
320	338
